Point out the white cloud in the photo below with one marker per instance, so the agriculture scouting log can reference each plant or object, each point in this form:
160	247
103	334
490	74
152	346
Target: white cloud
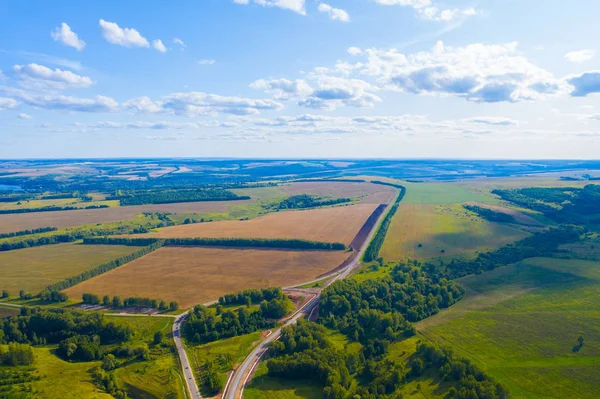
159	46
337	14
143	105
293	5
207	62
198	103
404	3
283	89
60	102
426	9
24	116
66	36
179	42
8	103
39	76
126	37
580	56
477	72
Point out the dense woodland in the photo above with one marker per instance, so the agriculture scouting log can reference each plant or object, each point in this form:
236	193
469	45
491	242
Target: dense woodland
49	209
372	251
27	232
130	302
304	201
490	215
208	324
173	196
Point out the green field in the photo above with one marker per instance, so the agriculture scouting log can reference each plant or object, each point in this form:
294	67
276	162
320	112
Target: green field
71	202
32	269
225	354
443	193
521	324
159	377
425	231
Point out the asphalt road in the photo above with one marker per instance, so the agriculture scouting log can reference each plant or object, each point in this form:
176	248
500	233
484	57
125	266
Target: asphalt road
235	387
188	371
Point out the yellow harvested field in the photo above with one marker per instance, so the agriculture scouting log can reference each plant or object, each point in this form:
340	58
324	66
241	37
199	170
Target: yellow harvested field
33	269
336	224
198	275
62	219
368	192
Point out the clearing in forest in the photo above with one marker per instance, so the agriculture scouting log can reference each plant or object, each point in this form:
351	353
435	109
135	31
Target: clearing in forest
425	231
336	224
198	275
523	322
33	269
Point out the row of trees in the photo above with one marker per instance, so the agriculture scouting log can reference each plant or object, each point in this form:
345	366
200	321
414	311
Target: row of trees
131	302
28	232
16	354
372	251
490	215
538	244
49	209
252	296
222	242
103	268
304	201
173	196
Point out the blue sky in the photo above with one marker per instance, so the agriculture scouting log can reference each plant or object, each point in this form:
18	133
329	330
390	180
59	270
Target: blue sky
300	78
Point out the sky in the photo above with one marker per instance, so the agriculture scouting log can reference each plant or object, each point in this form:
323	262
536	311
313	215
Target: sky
498	79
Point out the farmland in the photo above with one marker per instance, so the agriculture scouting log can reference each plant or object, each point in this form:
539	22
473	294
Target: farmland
522	322
442	193
32	269
425	230
336	224
62	219
198	275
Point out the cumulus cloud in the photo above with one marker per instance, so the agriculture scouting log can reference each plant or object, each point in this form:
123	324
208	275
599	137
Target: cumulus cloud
337	14
126	37
8	103
159	46
293	5
580	56
477	72
60	102
584	84
283	89
142	105
39	76
24	116
66	36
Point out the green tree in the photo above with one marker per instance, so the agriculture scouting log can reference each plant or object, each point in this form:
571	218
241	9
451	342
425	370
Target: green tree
158	337
106	300
109	362
5	294
173	305
117	302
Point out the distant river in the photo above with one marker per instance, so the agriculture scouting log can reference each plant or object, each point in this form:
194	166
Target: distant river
5	187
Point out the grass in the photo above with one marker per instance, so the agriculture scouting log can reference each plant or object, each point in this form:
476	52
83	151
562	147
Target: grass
226	353
198	275
336	224
8	311
32	269
159	377
264	387
521	323
442	193
425	231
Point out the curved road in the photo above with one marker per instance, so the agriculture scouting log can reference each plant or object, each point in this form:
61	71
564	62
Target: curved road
235	387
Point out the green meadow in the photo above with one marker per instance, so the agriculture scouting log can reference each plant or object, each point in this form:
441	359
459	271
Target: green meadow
522	322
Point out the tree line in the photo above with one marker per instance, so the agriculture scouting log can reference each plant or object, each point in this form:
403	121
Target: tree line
538	244
490	215
372	251
174	196
103	268
49	209
130	302
280	243
27	232
252	296
304	201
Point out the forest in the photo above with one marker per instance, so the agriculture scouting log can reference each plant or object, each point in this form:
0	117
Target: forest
304	201
173	196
